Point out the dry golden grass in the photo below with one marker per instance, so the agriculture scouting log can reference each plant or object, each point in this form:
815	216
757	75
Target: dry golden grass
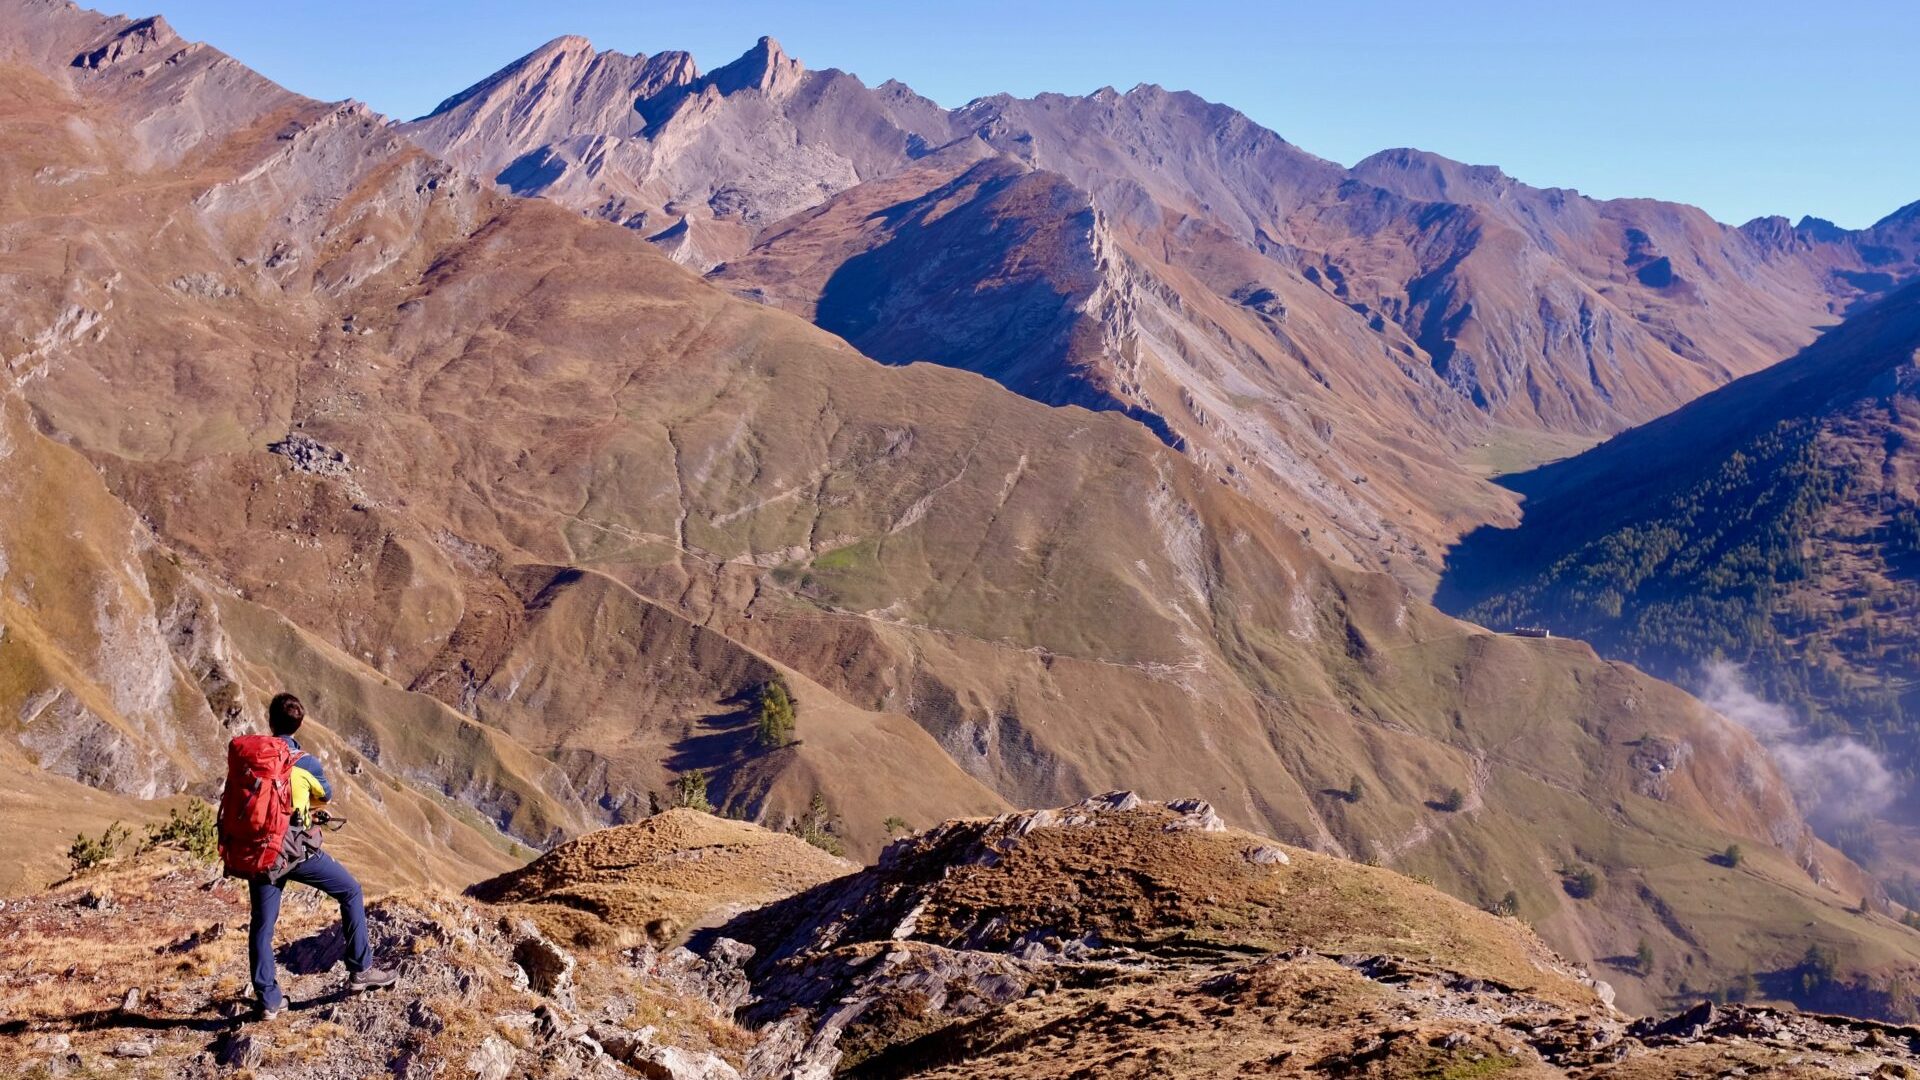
659	879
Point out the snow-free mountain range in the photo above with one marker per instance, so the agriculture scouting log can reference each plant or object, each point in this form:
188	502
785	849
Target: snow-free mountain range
1042	447
1352	348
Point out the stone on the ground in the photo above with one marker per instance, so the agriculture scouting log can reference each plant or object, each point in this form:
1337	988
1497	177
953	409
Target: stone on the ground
239	1051
1195	814
549	968
491	1060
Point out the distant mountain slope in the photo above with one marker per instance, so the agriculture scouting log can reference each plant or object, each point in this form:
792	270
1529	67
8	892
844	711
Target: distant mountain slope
531	514
1775	523
1355	349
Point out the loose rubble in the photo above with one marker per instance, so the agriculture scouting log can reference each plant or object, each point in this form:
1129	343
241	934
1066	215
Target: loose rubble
1088	940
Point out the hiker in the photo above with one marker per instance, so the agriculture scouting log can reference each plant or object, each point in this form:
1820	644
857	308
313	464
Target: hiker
270	828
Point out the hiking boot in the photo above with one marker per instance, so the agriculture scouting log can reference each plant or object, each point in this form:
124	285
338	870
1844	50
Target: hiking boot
371	979
268	1012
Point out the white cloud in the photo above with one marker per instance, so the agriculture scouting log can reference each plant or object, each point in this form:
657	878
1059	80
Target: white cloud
1834	779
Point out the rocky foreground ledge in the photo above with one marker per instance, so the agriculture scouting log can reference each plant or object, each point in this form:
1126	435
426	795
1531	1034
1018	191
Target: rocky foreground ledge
1112	938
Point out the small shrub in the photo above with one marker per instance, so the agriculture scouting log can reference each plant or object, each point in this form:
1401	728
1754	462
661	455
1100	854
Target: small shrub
1731	857
1643	957
1580	882
816	827
690	791
774	720
1452	801
1355	789
195	832
896	824
86	852
1507	905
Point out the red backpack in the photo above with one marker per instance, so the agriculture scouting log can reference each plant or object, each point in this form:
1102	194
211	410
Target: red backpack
257	805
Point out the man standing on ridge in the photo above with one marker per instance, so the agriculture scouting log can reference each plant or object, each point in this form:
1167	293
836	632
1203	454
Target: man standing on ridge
300	859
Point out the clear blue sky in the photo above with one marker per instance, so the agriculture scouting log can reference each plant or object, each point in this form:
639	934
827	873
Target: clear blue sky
1743	108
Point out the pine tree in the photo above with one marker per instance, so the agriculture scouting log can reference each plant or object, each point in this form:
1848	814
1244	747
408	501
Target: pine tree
774	723
690	791
817	827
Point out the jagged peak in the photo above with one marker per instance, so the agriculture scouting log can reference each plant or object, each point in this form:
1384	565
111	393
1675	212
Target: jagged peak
573	56
1819	228
130	40
677	60
565	43
560	46
765	67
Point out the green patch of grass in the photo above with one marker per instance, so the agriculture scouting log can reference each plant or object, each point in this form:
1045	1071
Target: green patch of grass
850	558
1493	1065
1465	1063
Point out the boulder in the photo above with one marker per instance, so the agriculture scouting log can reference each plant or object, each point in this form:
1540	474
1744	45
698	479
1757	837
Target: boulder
1195	814
1687	1025
491	1060
549	968
639	1051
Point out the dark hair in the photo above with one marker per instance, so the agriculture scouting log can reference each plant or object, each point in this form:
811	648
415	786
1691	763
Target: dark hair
284	714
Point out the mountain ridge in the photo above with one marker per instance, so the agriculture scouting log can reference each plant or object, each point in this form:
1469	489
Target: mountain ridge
1520	321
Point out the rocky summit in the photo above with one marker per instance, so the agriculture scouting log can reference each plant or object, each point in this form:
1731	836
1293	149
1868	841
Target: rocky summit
1114	937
